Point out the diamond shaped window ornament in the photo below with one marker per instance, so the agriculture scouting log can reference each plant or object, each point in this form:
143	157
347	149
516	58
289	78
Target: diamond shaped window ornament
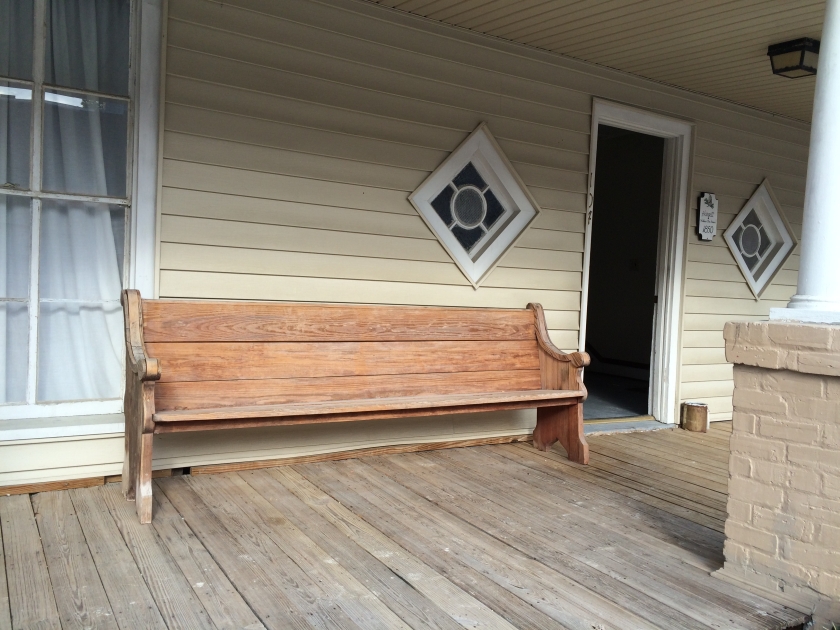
476	204
760	238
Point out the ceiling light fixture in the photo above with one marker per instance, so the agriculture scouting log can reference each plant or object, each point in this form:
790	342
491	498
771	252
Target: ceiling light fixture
796	58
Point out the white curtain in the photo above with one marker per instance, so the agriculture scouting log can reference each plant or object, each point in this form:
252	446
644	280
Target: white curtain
80	349
80	346
15	221
15	61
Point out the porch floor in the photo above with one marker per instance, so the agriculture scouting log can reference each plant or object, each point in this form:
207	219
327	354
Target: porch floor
491	536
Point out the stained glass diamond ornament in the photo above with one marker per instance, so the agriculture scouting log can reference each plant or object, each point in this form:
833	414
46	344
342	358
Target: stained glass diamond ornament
476	204
760	239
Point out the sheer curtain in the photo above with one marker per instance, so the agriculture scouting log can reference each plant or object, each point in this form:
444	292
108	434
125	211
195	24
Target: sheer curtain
80	349
16	21
15	238
15	221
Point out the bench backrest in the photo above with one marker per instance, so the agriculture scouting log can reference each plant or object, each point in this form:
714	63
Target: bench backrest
219	354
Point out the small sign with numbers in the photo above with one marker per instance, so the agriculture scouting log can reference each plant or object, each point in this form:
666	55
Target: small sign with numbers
707	221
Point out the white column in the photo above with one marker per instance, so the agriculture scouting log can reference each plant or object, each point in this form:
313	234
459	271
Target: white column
818	291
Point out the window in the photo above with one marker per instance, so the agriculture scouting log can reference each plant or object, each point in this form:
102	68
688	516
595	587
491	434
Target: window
65	122
475	204
760	239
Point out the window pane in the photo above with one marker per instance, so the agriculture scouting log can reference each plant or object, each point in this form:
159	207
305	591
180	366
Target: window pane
84	144
80	351
87	45
81	251
16	21
14	343
15	242
15	129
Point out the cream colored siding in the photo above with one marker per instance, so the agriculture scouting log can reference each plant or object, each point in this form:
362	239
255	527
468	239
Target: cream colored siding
36	461
294	132
59	459
715	289
334	134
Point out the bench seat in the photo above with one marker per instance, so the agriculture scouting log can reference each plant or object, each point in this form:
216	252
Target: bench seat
202	365
365	409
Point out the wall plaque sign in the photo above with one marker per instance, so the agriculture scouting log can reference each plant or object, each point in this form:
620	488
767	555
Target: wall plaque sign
707	221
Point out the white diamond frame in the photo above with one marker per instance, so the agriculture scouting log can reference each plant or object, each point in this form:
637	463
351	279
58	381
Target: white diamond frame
769	212
521	208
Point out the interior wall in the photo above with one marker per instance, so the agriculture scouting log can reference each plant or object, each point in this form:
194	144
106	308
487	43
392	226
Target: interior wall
622	266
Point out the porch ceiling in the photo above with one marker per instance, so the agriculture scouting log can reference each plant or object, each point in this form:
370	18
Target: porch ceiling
715	47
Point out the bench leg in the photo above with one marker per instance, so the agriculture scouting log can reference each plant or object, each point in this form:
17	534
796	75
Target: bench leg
137	465
563	424
143	480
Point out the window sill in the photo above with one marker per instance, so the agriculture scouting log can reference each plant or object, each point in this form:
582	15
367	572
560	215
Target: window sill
61	427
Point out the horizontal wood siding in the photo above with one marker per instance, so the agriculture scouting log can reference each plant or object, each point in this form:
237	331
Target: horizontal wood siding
295	131
291	147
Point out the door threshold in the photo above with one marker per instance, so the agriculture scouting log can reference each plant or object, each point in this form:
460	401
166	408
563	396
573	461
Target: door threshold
620	419
624	425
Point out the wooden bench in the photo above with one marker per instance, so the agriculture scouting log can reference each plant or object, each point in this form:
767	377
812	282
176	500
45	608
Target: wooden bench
198	365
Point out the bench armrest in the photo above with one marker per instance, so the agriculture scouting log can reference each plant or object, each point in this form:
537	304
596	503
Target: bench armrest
577	359
145	367
567	373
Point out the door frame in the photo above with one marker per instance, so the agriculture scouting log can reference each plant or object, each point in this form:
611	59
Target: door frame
673	218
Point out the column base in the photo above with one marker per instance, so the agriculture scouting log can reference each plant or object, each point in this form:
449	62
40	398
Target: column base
805	315
814	309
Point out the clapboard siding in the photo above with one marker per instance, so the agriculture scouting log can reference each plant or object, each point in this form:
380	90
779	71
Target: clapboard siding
294	132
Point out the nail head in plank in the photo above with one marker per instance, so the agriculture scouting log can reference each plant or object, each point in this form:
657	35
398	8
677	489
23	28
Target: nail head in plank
31	599
79	594
173	594
220	598
131	601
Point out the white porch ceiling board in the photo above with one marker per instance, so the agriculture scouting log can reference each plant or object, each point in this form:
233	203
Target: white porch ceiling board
715	47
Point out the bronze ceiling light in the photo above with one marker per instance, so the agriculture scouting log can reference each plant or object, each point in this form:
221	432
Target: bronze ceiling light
796	58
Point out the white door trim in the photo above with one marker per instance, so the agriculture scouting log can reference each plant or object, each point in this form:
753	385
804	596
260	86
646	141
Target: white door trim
147	138
673	218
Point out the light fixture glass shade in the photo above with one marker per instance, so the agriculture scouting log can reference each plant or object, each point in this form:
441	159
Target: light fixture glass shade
796	58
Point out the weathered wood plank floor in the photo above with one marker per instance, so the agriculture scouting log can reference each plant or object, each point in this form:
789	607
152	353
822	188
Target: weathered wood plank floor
483	537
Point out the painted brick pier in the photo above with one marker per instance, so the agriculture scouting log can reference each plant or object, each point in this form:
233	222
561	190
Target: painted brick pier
783	525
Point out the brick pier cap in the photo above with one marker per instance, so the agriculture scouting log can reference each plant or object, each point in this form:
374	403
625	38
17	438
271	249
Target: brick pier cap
783	524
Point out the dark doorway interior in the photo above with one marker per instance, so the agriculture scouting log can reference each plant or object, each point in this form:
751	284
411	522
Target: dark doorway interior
622	272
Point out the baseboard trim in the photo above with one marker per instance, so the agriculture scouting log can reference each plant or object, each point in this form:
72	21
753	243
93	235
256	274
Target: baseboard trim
209	469
48	486
354	454
71	484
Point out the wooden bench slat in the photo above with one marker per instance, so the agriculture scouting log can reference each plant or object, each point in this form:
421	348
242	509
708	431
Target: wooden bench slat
263	360
334	407
203	394
191	321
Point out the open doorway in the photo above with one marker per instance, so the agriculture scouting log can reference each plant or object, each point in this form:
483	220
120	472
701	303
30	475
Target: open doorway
622	273
633	261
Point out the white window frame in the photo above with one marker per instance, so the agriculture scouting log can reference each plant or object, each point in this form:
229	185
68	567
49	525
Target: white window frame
141	149
663	401
481	149
766	206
